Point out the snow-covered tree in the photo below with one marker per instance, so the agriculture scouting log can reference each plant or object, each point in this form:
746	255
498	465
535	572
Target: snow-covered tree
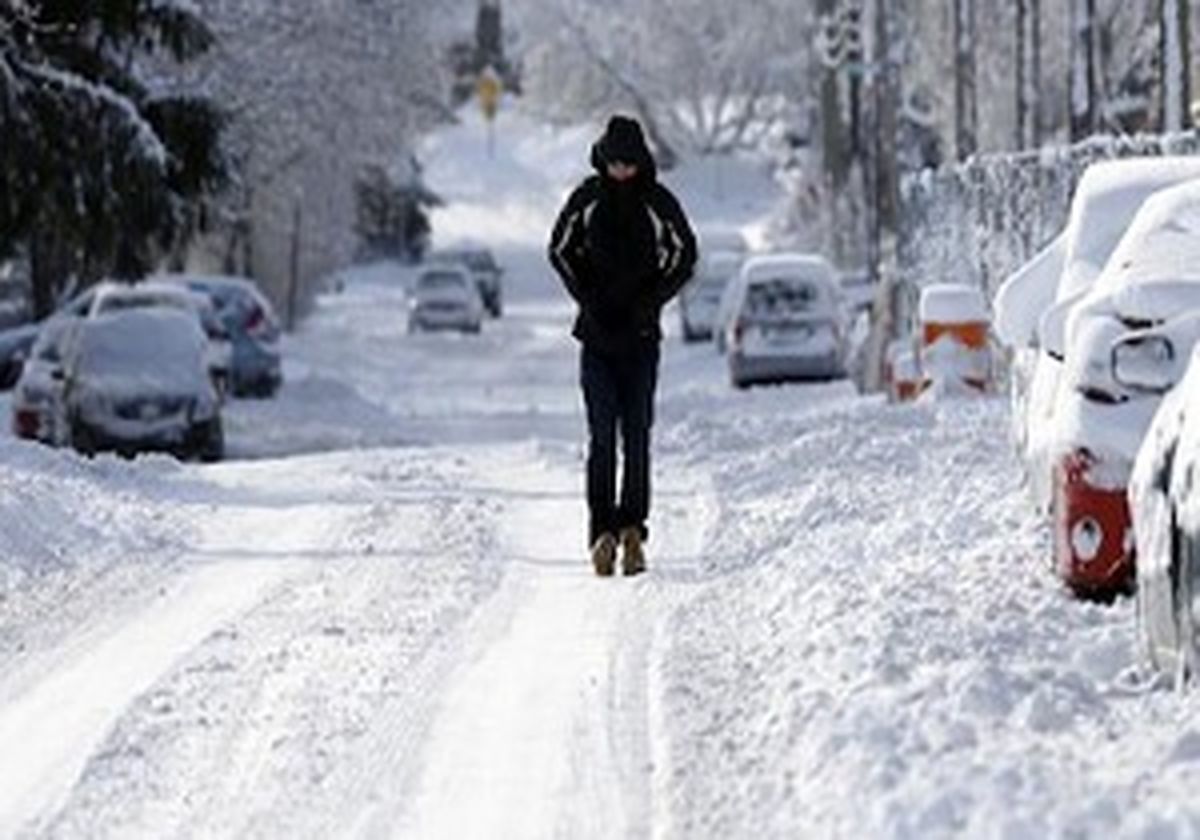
392	211
103	163
316	92
702	76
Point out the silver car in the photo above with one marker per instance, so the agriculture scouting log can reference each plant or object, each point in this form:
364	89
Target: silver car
701	297
445	297
786	321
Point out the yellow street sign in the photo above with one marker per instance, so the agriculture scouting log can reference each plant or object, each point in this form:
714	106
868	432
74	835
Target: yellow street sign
488	90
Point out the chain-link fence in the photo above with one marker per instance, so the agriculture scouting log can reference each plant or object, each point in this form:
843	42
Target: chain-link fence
976	222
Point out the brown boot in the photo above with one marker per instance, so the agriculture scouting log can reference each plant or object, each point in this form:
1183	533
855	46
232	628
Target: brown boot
604	554
633	559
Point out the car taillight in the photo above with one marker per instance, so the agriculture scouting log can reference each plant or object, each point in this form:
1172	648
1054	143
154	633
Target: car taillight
25	423
255	320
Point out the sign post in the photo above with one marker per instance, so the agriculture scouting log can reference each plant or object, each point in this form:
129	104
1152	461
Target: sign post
488	91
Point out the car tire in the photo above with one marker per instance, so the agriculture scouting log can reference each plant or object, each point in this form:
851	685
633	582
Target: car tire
209	440
83	440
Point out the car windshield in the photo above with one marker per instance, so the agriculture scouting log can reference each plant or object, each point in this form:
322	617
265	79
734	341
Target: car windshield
779	298
122	302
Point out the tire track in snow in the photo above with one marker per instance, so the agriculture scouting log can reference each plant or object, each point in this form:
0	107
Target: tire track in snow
545	729
48	732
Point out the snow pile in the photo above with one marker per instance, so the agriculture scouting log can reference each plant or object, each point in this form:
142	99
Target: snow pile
64	516
882	651
951	303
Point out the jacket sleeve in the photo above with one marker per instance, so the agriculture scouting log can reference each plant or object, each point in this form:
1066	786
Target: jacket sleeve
567	244
677	245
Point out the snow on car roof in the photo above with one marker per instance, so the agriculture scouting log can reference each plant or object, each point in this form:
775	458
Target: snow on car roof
1106	200
952	303
806	266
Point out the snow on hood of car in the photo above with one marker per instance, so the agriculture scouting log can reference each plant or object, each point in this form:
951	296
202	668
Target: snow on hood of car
1027	293
134	351
952	303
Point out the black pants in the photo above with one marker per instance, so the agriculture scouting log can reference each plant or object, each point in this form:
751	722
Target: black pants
618	391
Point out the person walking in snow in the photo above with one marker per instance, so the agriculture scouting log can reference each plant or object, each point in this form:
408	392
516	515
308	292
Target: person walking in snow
623	248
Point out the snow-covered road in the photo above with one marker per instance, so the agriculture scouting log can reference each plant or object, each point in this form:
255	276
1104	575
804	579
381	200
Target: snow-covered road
379	621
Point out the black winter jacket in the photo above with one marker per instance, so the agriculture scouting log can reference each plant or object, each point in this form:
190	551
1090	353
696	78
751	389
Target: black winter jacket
622	250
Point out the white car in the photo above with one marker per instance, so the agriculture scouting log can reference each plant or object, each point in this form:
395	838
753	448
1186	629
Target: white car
445	297
1164	497
1144	307
137	380
37	401
786	321
119	297
1033	304
701	297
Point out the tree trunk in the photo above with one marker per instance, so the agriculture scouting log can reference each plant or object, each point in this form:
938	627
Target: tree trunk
966	114
1021	50
1084	82
1174	65
49	267
1034	84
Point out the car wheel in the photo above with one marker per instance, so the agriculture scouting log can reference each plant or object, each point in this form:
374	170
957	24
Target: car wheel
82	439
210	441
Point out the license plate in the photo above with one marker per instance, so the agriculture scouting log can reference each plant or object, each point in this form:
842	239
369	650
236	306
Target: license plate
790	333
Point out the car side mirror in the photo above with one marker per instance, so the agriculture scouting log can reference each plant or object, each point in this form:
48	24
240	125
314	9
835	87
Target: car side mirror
1145	362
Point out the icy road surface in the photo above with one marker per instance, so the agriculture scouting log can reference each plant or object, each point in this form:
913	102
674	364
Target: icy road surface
378	622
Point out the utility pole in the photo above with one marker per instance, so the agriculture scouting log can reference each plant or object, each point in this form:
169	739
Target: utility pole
882	178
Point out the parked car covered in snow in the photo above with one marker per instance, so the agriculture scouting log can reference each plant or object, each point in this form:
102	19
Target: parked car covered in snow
712	239
484	270
1165	505
445	297
37	401
121	297
256	361
786	321
1033	304
137	380
701	297
1144	307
